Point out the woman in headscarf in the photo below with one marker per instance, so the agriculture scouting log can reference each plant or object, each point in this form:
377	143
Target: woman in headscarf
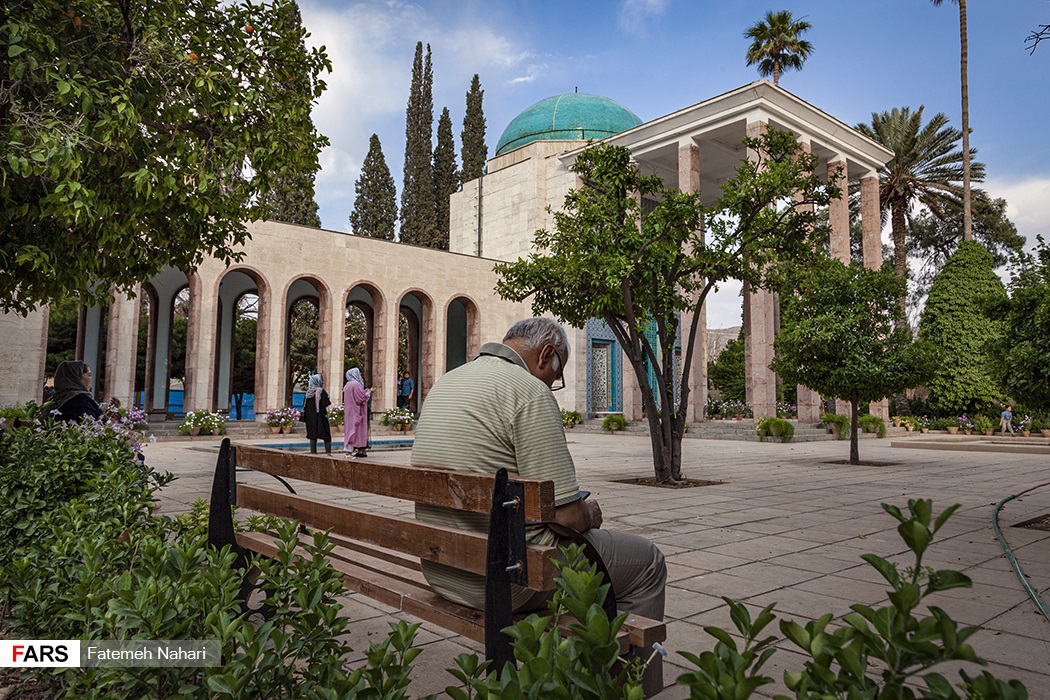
73	392
355	414
315	415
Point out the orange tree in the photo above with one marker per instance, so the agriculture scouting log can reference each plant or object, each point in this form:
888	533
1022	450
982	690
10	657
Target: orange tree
604	259
142	134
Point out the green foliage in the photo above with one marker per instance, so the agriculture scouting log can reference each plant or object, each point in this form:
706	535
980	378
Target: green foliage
303	321
841	423
553	665
843	333
726	372
418	219
147	137
446	178
375	204
982	423
926	169
954	322
571	418
242	379
776	45
775	427
614	422
597	262
872	424
886	653
472	138
1018	362
933	240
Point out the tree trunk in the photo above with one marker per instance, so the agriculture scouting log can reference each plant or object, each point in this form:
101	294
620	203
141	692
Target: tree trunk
898	220
964	59
854	452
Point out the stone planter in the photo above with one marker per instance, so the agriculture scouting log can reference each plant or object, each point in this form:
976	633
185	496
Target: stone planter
275	429
989	431
195	431
338	429
1045	433
1026	433
924	430
216	431
968	432
953	429
908	426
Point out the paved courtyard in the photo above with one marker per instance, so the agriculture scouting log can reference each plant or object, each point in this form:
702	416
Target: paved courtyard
787	526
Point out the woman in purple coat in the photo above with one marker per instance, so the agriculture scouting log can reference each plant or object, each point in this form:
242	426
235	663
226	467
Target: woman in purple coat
355	414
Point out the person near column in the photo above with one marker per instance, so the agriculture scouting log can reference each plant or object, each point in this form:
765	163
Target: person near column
355	414
73	392
499	411
1006	420
406	389
315	415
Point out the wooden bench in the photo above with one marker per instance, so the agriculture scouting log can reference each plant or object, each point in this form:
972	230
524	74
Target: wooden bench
378	554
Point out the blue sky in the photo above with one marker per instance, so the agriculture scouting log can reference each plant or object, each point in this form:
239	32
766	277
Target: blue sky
657	56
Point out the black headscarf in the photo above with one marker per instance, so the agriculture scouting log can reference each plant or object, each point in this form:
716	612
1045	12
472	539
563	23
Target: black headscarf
69	382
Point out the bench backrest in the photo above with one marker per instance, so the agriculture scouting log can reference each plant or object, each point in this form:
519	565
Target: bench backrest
461	549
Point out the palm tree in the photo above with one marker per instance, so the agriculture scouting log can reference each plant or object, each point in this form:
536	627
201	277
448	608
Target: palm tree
925	169
964	58
775	44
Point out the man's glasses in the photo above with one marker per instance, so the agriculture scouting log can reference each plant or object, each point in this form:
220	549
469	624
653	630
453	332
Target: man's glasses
561	374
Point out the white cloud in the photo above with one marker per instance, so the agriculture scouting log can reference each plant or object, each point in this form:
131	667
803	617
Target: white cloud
635	13
532	72
1027	204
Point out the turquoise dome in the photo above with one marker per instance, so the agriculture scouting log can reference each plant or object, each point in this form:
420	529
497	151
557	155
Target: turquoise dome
571	117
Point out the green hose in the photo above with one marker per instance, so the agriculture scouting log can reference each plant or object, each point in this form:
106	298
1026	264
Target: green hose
1010	553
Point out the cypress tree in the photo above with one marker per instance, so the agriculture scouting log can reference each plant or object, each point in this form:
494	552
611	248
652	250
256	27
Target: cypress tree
375	206
446	179
418	218
291	198
472	138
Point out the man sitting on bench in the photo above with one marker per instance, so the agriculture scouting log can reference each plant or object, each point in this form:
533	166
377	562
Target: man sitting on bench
499	411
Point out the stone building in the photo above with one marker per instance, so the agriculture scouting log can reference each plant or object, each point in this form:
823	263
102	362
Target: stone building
448	296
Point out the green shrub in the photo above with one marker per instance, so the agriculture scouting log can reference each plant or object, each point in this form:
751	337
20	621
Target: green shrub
943	423
614	422
726	372
886	652
872	424
842	423
775	427
982	423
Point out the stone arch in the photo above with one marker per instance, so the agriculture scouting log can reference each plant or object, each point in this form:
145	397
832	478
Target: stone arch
163	291
462	331
418	308
307	287
230	287
367	298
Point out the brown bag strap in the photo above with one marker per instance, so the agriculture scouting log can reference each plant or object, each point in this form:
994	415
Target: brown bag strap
589	551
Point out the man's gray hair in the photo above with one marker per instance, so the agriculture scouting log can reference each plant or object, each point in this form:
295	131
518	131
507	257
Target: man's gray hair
536	332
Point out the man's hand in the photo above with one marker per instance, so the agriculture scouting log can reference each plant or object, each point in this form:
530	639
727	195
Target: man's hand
579	515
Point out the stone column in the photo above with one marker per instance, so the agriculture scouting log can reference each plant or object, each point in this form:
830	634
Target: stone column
122	348
632	393
89	340
759	331
227	306
838	210
267	377
332	370
385	379
808	400
871	227
200	344
689	181
23	355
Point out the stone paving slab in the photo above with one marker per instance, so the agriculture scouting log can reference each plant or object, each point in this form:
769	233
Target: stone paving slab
786	525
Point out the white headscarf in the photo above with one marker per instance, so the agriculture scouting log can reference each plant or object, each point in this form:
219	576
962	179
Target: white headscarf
313	390
354	374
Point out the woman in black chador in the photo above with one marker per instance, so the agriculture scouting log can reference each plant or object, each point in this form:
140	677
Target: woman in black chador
73	392
315	415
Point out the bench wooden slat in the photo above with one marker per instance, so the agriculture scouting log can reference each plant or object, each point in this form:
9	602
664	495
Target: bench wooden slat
420	601
451	547
438	487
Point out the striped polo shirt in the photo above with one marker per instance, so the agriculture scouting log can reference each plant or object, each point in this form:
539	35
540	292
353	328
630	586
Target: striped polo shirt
487	414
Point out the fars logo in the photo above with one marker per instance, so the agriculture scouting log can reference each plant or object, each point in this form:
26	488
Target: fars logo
28	653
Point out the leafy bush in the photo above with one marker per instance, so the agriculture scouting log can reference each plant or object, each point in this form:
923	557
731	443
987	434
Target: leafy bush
614	422
943	423
775	427
336	415
982	423
571	418
726	372
886	652
841	423
872	424
397	416
953	321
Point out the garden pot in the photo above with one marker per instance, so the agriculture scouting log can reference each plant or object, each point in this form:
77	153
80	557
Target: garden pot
908	427
1045	433
953	429
1026	433
897	423
924	430
968	432
275	429
289	429
989	431
834	430
338	429
195	431
216	431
